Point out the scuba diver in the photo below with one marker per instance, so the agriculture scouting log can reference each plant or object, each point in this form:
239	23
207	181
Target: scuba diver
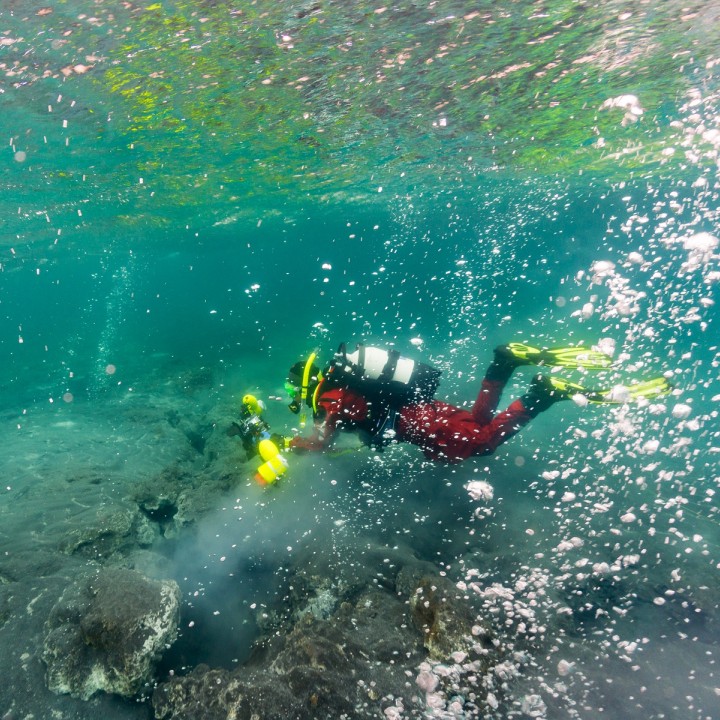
386	397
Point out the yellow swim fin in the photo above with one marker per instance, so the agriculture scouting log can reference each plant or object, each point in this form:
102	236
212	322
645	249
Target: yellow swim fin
617	395
567	357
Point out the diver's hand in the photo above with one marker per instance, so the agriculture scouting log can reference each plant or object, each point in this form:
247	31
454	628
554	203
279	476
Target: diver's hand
280	441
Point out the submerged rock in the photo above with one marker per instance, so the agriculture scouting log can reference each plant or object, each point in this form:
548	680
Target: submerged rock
352	650
438	611
5	601
111	531
352	664
178	496
107	631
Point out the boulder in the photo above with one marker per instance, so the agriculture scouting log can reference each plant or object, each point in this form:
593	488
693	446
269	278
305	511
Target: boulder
107	631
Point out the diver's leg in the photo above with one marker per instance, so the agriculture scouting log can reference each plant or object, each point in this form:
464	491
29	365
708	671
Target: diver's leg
502	427
496	376
539	397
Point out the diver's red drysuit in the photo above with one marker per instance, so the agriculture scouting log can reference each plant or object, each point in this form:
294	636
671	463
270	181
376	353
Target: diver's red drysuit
444	432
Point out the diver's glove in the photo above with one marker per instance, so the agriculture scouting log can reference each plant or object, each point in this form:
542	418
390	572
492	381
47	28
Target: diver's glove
294	448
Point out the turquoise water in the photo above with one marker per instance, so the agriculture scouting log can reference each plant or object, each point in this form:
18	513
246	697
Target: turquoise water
195	195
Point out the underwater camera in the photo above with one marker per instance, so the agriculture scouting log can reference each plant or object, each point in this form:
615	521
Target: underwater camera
254	433
251	427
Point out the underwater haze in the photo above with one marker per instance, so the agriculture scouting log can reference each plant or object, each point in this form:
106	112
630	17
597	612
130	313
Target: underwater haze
197	194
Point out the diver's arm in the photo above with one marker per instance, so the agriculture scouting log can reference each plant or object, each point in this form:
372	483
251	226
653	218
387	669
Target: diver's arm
322	438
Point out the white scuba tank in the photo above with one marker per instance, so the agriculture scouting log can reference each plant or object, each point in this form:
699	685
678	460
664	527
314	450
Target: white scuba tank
385	375
375	362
